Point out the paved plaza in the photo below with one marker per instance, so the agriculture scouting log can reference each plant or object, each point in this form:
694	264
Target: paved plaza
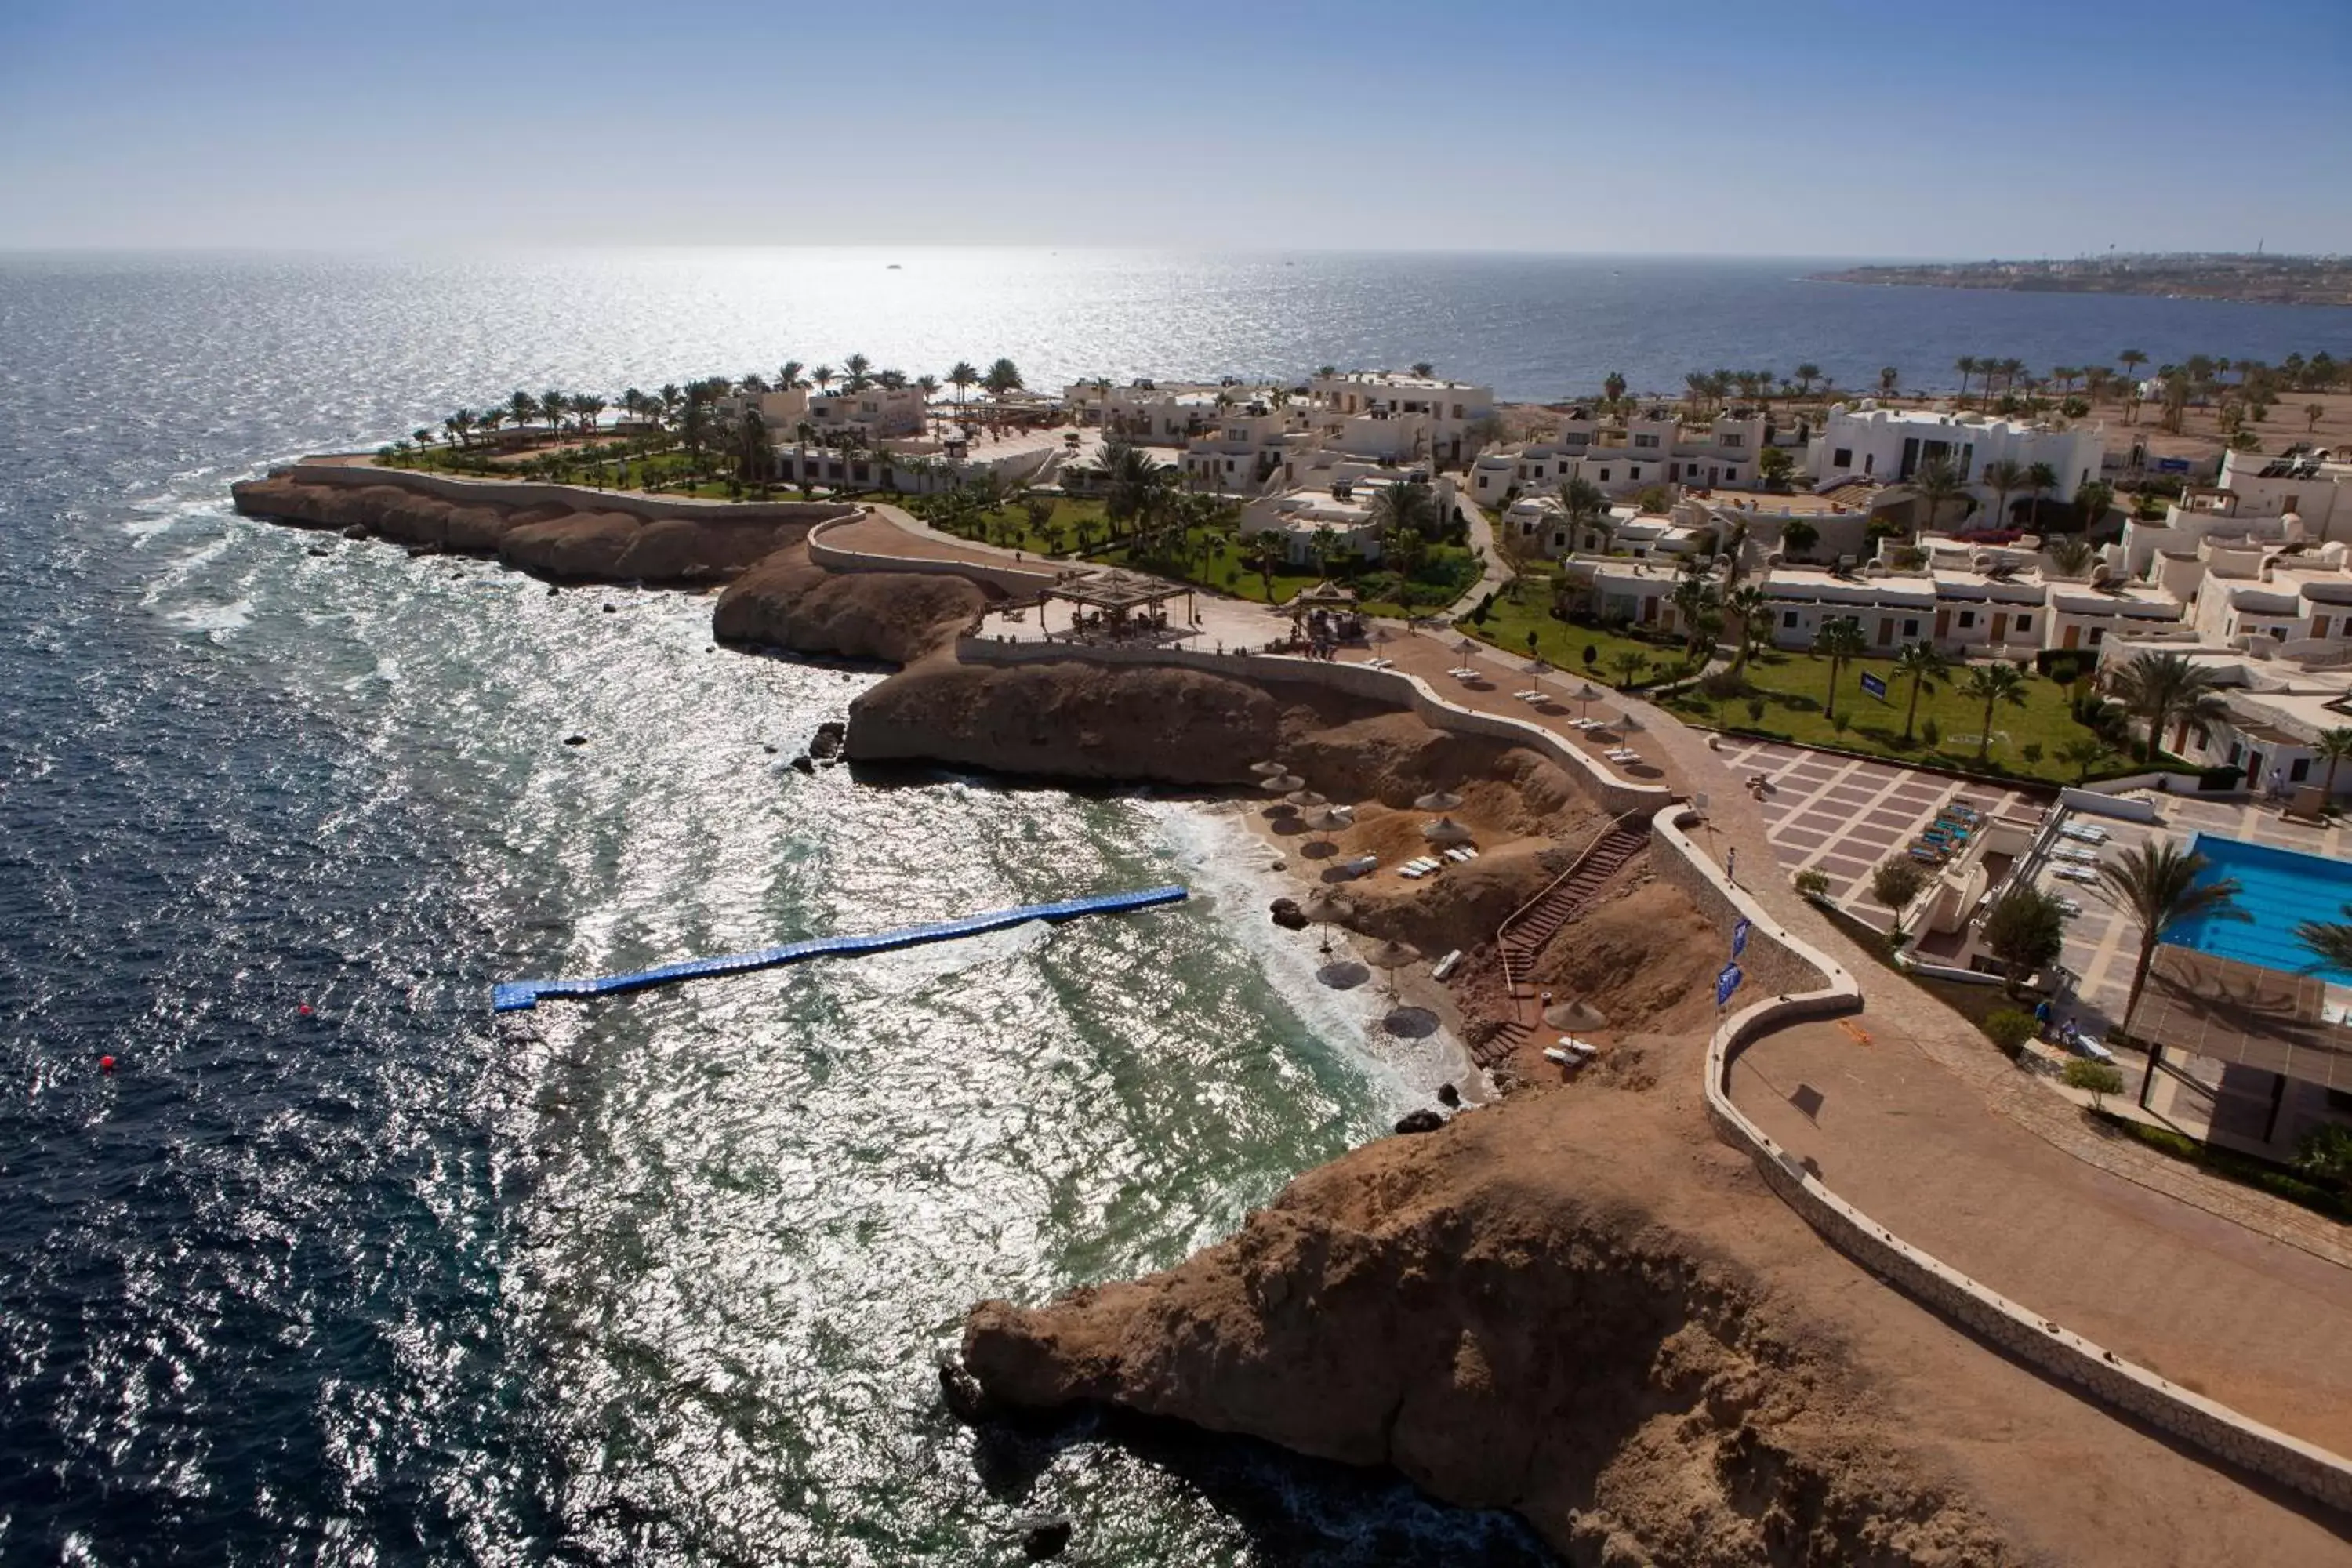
1843	816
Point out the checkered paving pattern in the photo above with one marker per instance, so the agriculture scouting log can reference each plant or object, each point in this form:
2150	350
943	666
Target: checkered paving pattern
1844	815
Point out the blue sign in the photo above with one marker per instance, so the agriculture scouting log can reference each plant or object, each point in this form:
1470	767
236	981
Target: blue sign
1726	982
1874	685
1740	938
2172	465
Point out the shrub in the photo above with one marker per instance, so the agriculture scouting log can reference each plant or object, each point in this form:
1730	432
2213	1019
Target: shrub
2031	753
2009	1029
1485	607
2326	1152
1840	722
1931	734
1755	709
1813	882
1591	655
2101	1078
1896	882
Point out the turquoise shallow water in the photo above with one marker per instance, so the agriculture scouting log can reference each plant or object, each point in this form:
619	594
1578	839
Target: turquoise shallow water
656	1281
2282	888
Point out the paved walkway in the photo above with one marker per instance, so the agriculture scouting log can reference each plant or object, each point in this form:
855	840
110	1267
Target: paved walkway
1955	1045
1495	578
2234	1316
1433	657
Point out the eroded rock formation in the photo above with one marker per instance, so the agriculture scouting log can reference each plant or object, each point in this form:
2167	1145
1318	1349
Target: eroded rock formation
1513	1334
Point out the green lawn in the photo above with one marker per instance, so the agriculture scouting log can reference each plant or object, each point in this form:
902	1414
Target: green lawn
1514	616
1793	686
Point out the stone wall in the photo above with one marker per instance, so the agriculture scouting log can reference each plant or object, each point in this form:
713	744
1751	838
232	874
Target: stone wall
467	490
1387	686
2052	1350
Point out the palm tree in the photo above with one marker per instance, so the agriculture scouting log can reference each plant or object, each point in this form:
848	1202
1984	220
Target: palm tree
1842	640
1405	506
1750	613
2011	371
1267	554
1920	663
2041	479
551	405
2330	942
755	454
2159	687
2335	745
1132	481
1992	683
1966	365
1889	378
788	376
1004	377
1937	482
1586	507
522	409
2004	477
823	375
1798	537
2161	885
961	375
859	377
1695	603
2085	752
2131	360
2313	413
460	426
1806	376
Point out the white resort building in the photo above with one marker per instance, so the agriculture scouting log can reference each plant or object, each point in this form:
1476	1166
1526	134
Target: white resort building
1889	445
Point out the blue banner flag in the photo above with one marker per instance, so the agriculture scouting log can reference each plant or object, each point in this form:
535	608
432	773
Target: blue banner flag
1725	984
1874	686
1740	938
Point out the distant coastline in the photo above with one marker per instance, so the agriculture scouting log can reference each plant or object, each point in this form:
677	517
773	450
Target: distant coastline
2251	279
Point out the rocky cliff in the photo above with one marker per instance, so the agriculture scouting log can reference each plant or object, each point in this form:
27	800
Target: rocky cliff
580	543
897	617
1497	1312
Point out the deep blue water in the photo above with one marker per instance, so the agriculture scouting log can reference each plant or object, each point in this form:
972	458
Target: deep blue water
659	1280
2280	889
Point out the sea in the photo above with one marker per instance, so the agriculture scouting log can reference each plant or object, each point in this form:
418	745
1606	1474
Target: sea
335	1267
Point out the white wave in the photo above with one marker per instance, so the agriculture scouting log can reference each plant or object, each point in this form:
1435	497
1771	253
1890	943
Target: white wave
212	618
1234	868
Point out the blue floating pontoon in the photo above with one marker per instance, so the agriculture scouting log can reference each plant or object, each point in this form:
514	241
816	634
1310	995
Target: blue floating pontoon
521	996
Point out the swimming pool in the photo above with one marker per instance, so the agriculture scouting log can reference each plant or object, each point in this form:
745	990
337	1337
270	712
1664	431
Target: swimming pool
2283	888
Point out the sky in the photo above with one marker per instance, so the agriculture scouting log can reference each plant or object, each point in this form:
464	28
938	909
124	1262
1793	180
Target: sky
1688	127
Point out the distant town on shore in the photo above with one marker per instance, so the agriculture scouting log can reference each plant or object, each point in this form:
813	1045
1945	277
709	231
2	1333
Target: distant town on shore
2252	278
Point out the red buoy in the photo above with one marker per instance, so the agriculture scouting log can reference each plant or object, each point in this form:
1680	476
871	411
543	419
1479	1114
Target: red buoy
106	1064
306	1009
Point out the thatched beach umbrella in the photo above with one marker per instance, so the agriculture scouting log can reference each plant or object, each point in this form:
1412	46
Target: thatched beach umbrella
1576	1014
1391	956
1437	800
1537	666
1327	911
1584	697
1446	830
1305	799
1331	820
1268	770
1281	784
1465	647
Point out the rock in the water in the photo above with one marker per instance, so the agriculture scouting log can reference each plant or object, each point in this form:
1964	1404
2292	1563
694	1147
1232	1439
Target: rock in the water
827	741
321	550
575	740
356	530
611	609
769	747
1045	1539
1423	1121
552	590
966	1400
1448	1096
804	764
1288	915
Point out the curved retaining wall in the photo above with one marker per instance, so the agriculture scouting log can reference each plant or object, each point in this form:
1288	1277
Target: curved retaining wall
1777	958
1388	686
469	492
1014	580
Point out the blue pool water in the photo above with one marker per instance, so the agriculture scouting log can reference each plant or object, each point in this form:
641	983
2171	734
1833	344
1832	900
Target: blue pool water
2282	888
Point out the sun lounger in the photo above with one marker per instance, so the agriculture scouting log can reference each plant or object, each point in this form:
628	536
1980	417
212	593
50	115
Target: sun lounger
2069	907
1460	853
2075	874
2076	855
2083	832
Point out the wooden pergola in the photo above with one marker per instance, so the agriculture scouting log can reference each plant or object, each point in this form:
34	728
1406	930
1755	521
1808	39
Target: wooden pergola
2246	1015
1109	601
